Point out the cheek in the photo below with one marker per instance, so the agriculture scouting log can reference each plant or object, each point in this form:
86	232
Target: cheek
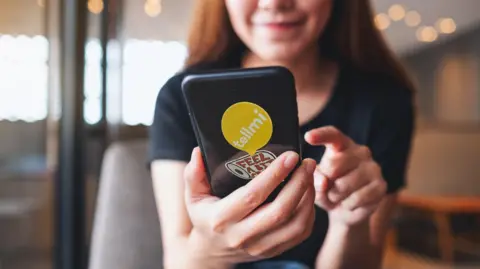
239	12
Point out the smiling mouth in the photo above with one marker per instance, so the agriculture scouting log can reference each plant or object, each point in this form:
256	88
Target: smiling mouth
282	25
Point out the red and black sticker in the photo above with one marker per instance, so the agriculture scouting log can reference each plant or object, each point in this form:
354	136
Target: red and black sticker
248	167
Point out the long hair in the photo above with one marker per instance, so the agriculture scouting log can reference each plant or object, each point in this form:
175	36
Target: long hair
350	36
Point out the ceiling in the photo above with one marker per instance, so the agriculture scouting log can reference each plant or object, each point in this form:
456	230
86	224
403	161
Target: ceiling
172	24
403	38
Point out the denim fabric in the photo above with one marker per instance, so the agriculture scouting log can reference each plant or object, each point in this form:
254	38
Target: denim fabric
275	265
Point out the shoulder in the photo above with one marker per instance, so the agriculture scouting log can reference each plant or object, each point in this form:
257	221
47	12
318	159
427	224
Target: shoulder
171	91
382	95
379	106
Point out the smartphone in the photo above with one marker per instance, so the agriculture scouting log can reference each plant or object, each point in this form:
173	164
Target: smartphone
243	120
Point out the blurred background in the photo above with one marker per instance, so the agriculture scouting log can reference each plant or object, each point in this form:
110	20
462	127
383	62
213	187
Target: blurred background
107	59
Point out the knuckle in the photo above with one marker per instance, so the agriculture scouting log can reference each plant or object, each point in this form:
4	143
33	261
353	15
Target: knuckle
355	199
335	197
299	229
342	186
383	186
304	181
236	243
365	151
279	216
374	168
251	199
273	173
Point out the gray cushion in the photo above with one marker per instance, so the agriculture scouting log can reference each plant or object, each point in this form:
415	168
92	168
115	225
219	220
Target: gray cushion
126	230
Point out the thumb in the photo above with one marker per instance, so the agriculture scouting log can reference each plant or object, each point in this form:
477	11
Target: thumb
197	187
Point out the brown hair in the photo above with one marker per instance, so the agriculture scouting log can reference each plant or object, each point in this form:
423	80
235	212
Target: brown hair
350	36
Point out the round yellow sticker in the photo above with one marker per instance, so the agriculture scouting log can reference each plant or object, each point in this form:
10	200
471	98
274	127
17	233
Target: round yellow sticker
247	126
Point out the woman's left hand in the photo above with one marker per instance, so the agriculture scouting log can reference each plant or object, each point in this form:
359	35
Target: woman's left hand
348	182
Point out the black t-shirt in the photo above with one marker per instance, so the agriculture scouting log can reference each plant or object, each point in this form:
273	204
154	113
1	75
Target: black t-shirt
372	110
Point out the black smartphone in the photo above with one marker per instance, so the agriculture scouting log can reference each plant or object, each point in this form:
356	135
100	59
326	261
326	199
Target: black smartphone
243	119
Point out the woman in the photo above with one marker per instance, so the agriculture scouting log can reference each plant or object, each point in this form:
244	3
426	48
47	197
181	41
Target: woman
353	98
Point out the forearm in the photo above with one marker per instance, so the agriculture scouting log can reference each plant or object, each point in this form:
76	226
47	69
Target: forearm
346	247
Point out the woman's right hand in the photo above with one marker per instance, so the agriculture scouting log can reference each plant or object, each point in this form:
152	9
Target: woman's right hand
235	229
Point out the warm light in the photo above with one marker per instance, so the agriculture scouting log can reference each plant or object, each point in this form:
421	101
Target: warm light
427	34
153	8
396	12
413	18
41	3
148	65
95	6
382	21
446	25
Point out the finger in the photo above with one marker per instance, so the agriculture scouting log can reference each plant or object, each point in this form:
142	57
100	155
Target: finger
343	187
281	209
339	164
322	186
286	236
196	183
363	152
294	239
244	200
368	195
329	136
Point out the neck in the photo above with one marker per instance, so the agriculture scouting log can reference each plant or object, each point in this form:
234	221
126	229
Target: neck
309	69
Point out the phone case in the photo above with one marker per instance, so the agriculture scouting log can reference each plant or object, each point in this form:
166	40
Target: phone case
243	119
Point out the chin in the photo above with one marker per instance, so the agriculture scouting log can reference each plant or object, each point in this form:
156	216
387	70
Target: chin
279	54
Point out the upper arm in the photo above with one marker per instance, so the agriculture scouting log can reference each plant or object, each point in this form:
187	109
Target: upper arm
171	143
391	135
390	141
168	187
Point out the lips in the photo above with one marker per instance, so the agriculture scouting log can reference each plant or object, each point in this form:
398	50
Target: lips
278	23
283	24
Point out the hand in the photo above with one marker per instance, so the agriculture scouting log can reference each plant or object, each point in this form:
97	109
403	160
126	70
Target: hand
348	182
236	228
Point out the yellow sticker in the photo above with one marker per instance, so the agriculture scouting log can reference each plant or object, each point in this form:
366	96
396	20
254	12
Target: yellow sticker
247	127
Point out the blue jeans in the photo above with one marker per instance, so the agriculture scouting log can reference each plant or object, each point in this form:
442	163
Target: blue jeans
275	265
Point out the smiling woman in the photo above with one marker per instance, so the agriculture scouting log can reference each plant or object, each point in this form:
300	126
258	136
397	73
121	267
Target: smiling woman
353	97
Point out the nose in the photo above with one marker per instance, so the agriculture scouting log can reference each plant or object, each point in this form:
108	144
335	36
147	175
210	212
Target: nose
275	4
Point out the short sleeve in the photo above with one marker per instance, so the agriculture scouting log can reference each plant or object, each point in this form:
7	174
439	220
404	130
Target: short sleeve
171	136
391	136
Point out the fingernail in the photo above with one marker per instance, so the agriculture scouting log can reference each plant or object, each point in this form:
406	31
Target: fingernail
291	160
310	166
307	134
193	158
